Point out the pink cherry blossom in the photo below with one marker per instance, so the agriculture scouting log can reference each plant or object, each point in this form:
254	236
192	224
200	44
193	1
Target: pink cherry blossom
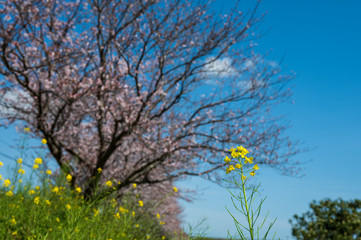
149	91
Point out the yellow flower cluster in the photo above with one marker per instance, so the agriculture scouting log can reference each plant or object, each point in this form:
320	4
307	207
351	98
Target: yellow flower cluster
37	200
123	210
109	183
69	177
40	201
96	211
78	189
6	183
9	193
240	153
38	161
13	221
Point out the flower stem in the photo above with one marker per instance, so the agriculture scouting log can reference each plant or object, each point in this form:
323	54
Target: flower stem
246	203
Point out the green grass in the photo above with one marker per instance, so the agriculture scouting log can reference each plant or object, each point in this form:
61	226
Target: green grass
53	210
49	209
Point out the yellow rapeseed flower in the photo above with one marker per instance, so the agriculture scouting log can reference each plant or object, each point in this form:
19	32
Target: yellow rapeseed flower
242	151
6	183
1	164
48	172
109	183
134	185
238	166
9	193
13	221
227	159
123	210
252	173
57	219
158	215
36	166
117	215
21	171
133	213
55	189
48	202
43	141
161	223
37	187
30	192
235	154
78	189
20	160
243	177
231	168
96	212
20	180
27	129
141	203
99	170
255	167
232	149
69	177
248	160
175	189
37	200
68	206
38	161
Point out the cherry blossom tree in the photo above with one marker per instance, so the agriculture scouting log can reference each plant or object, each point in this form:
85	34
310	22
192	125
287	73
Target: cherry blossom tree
148	91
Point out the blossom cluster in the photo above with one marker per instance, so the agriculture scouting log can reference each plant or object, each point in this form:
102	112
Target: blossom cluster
239	154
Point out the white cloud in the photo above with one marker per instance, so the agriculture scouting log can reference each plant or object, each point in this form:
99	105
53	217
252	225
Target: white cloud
16	98
221	67
253	64
249	63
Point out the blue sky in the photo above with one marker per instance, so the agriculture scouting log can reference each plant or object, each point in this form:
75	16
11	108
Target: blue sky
320	42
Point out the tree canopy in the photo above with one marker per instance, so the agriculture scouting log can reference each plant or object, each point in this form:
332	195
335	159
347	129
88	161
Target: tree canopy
328	219
148	91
